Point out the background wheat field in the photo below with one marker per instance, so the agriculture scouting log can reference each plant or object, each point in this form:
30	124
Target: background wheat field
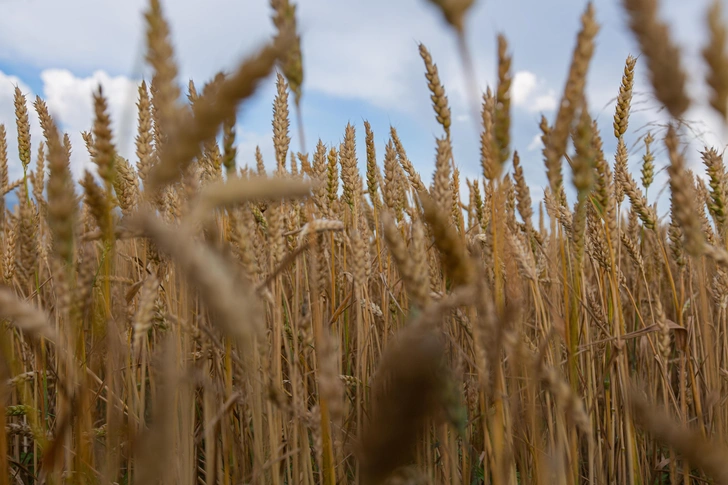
179	318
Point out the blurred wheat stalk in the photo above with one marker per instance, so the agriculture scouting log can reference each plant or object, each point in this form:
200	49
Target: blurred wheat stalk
186	321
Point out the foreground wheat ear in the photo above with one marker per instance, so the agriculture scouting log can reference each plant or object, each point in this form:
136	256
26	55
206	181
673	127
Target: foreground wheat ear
406	391
180	318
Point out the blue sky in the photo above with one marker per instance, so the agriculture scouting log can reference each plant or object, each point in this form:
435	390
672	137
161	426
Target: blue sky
360	60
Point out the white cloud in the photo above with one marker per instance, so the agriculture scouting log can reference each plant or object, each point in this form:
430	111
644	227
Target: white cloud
524	82
71	97
531	93
70	101
7	87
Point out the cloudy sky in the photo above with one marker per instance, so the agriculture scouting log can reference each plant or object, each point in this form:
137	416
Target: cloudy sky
360	61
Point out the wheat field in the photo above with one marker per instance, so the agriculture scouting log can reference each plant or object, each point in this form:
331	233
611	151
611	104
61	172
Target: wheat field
180	319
